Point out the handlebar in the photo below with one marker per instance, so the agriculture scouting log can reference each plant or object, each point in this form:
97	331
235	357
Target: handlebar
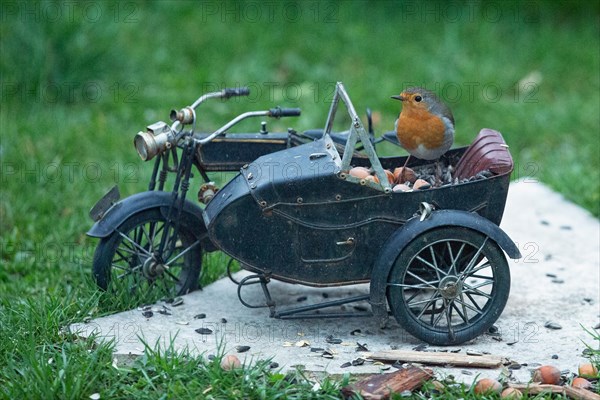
279	112
232	92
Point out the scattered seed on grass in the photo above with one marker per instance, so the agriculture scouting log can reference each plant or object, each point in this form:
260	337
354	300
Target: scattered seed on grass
497	338
211	357
465	372
200	316
242	349
356	332
148	314
555	356
223	321
597	326
327	355
493	330
514	366
316	349
566	227
164	311
549	275
182	322
455	351
301	299
558	281
474	353
420	347
345	365
274	365
169	300
360	308
204	331
552	325
511	343
302	343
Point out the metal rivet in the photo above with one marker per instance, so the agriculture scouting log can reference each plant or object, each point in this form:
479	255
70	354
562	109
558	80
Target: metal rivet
263	203
253	186
299	200
338	197
245	166
328	146
363	182
250	176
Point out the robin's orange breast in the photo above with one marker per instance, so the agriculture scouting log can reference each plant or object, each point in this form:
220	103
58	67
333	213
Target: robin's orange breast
419	127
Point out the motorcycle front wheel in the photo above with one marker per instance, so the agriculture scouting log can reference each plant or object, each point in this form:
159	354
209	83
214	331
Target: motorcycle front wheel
129	262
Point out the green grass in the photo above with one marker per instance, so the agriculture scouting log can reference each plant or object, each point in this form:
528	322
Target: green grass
79	79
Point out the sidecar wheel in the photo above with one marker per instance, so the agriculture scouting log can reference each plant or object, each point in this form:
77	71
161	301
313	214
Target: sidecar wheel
128	261
449	285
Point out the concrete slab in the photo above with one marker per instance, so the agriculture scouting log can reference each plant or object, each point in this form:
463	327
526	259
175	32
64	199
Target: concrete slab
558	280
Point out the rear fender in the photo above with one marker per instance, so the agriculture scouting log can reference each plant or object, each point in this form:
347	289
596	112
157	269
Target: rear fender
415	227
120	211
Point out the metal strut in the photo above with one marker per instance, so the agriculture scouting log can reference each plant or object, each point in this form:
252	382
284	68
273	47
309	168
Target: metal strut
302	311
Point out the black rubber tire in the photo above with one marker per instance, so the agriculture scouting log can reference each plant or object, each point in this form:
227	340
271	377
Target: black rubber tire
109	255
481	305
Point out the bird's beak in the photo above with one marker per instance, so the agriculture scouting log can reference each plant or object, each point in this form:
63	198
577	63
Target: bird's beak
399	97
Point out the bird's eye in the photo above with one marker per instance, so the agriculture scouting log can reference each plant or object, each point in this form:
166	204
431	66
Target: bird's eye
418	99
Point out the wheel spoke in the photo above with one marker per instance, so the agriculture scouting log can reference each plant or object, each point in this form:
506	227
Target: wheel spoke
417	286
430	284
471	263
137	246
433	298
477	310
448	306
454	259
197	242
462	314
437	270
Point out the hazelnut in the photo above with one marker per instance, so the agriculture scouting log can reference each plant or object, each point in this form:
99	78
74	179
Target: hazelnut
230	362
359	172
547	374
487	385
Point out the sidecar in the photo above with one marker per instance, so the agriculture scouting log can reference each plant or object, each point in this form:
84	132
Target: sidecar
434	257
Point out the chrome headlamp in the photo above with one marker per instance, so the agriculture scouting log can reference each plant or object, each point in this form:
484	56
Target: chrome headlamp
157	138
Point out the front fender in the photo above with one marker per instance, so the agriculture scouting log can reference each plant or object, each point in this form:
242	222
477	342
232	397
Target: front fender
131	205
413	228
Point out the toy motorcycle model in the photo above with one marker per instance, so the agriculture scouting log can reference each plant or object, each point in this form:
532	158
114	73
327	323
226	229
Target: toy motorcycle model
433	258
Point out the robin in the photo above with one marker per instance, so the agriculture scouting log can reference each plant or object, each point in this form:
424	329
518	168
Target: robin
425	127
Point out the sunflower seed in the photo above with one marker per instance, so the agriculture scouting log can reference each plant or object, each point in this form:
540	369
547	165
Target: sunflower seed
148	314
204	331
177	302
358	361
356	332
345	365
274	365
316	349
223	321
420	347
164	312
182	322
331	340
552	325
242	349
301	299
361	347
327	355
200	316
